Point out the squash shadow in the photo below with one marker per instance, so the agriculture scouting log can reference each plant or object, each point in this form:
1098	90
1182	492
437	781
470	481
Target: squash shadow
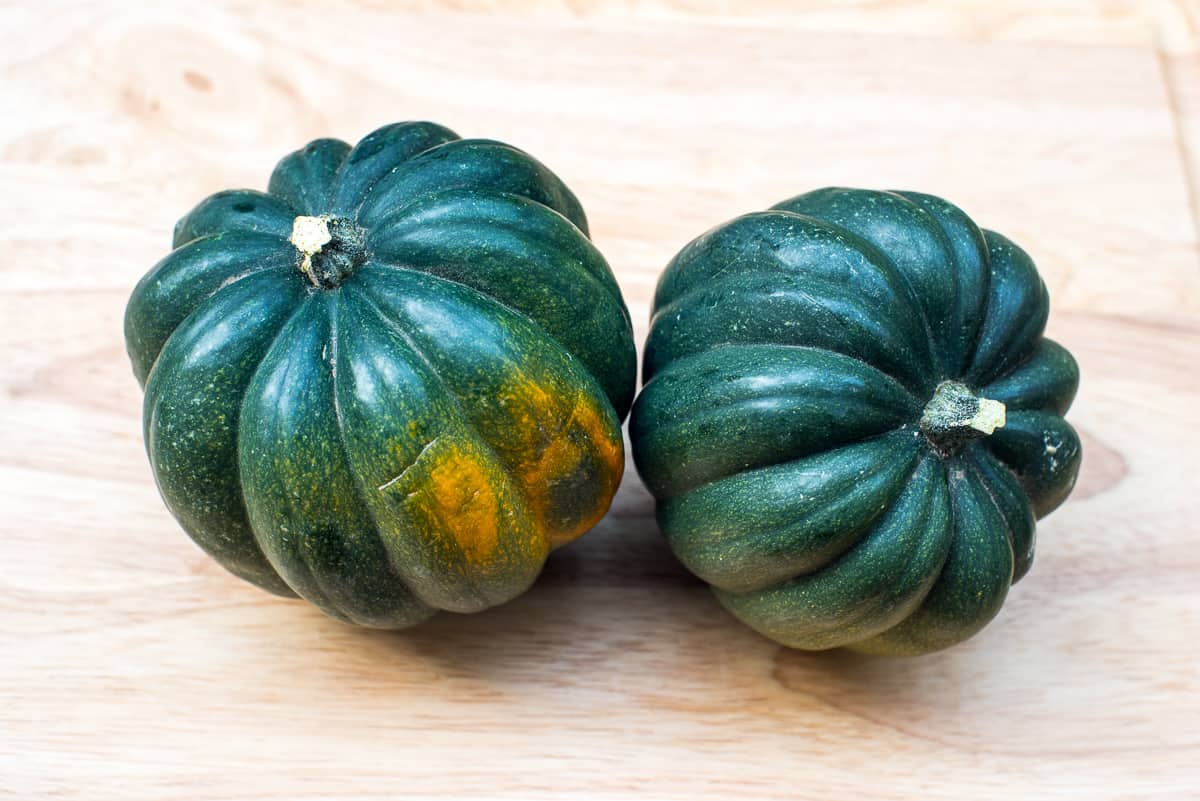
896	691
610	592
577	607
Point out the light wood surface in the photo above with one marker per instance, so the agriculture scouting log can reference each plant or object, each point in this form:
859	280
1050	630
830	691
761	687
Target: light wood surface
131	667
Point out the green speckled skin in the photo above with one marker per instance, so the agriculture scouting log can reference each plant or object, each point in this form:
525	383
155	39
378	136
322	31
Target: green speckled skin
791	355
414	432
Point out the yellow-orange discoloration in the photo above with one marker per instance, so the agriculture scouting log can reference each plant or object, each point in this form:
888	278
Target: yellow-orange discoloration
464	500
451	485
603	439
556	431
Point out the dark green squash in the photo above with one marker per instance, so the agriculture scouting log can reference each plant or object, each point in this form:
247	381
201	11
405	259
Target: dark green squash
851	419
392	383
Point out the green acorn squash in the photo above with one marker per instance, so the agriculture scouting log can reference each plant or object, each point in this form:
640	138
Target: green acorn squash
851	419
392	383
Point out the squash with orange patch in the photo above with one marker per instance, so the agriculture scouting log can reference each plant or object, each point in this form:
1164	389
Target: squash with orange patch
392	383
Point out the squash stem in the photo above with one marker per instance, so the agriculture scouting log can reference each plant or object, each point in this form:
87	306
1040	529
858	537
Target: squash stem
329	249
955	415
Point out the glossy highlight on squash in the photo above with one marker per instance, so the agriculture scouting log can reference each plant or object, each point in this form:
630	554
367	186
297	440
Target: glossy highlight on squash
390	384
851	419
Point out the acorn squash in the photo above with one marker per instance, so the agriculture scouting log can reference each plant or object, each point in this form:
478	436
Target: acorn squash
390	384
851	419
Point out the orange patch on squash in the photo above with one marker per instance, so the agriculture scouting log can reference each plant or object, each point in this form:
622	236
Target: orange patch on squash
557	428
457	492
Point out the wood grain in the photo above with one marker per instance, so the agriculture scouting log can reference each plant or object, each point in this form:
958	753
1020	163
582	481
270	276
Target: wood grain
134	668
1170	24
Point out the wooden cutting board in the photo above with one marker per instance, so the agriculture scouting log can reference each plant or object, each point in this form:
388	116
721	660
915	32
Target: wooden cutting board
132	667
